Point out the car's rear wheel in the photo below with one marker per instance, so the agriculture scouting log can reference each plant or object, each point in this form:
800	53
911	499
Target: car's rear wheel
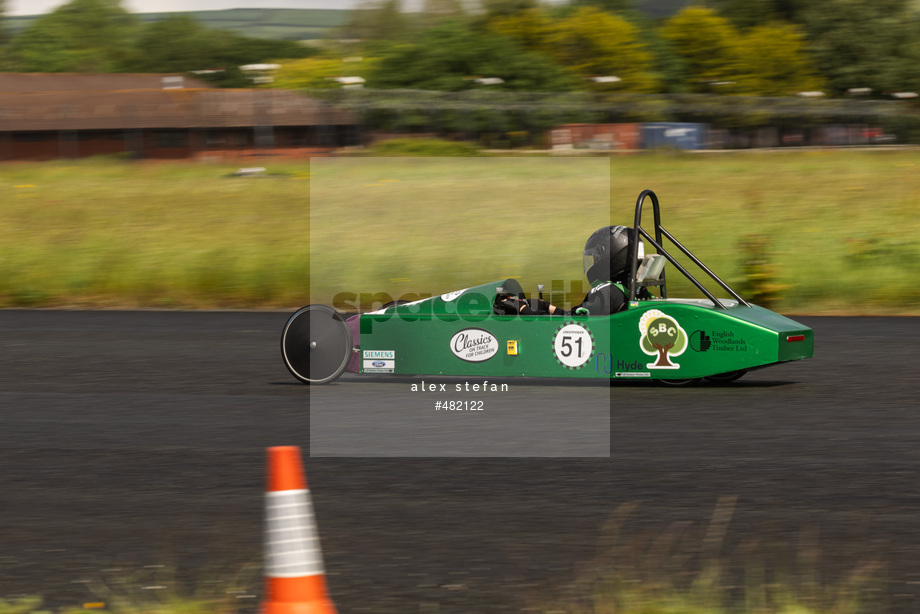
316	344
724	378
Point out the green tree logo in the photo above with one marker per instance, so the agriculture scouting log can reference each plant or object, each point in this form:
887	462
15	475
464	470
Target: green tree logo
663	337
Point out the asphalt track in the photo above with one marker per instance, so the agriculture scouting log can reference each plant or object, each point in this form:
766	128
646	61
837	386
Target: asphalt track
132	458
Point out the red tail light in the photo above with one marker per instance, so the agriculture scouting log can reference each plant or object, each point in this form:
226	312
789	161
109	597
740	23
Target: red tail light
791	338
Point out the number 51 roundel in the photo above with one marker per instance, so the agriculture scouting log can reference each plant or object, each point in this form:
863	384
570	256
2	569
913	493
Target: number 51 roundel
573	345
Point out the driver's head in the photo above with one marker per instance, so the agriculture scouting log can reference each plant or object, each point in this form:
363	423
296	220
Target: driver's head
606	255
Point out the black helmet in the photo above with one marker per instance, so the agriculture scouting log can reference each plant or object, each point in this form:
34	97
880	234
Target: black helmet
606	254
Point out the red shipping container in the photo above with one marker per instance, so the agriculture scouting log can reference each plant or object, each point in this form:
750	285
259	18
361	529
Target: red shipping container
596	136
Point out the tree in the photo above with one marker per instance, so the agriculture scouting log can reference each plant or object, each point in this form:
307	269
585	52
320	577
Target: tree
506	8
708	46
82	36
791	10
4	36
667	67
610	6
176	44
181	44
378	20
452	55
594	44
772	61
858	44
319	73
435	10
530	28
747	13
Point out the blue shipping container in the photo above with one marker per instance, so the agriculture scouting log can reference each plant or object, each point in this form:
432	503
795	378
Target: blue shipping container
674	135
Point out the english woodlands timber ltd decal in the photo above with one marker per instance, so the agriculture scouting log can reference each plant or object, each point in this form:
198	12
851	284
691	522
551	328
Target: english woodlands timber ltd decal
663	337
716	341
474	345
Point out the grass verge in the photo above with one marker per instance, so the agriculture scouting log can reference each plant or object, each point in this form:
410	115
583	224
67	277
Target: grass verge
154	589
698	570
683	569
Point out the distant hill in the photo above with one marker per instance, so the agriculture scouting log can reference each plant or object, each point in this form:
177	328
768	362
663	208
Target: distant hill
286	24
304	24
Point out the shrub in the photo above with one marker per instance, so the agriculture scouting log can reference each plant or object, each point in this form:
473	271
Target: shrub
761	285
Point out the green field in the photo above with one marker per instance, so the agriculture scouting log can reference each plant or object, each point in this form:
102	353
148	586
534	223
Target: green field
835	232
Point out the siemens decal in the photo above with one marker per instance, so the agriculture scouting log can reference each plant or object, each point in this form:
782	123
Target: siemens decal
474	345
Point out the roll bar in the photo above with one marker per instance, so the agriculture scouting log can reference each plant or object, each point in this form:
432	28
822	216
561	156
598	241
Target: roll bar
660	232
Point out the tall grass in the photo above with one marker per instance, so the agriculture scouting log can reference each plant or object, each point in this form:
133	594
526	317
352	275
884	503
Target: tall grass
101	233
685	569
155	589
839	229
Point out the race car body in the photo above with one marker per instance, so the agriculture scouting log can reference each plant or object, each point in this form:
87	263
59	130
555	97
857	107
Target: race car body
671	339
467	333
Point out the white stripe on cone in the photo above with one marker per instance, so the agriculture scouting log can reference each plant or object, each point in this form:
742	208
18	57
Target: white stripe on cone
291	543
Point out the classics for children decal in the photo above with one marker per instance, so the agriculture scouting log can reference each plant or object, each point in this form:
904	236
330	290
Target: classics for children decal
573	345
474	345
663	337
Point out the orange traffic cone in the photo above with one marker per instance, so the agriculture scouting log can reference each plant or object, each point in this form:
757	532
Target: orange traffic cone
295	582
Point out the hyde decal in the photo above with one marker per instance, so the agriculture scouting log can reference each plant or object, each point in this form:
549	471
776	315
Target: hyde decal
663	337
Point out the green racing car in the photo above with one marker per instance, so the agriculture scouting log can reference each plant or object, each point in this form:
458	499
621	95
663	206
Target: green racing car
471	332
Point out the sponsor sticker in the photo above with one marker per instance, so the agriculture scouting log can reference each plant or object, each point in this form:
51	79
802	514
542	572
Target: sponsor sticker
716	341
606	363
378	366
662	337
474	345
573	345
384	354
452	295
